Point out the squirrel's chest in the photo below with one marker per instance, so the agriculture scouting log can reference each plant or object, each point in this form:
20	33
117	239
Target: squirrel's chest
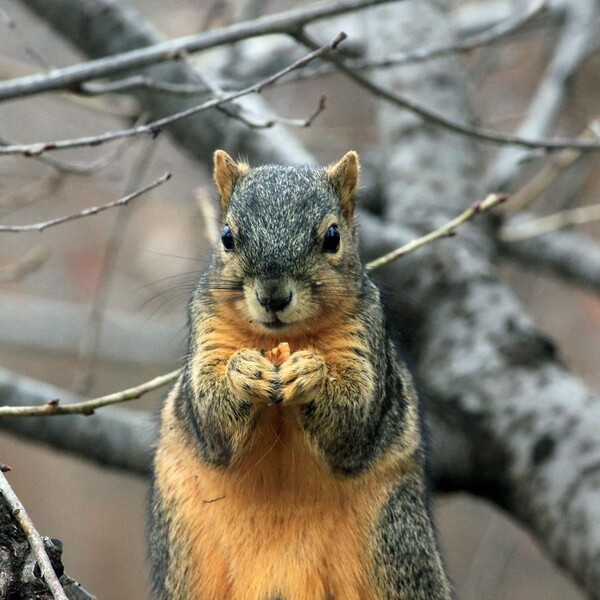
278	525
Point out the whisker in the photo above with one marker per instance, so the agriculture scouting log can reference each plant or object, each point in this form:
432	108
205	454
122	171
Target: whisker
169	277
200	260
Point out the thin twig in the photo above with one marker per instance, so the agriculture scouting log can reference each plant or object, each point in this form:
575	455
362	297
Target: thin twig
553	222
71	77
84	213
33	537
88	346
25	265
121	106
155	127
194	89
547	175
53	407
447	230
233	109
483	38
278	120
69	168
578	33
143	82
440	120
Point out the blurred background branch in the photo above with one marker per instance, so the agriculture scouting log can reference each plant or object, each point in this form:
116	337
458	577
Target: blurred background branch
509	422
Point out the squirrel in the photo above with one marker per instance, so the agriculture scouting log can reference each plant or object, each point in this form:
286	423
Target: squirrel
291	475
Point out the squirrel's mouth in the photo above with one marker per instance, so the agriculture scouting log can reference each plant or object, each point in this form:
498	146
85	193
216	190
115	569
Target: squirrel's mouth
274	324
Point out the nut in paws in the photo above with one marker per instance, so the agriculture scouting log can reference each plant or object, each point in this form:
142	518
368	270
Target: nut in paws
303	376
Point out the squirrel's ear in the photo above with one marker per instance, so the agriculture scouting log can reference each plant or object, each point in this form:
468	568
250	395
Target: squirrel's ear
344	177
226	174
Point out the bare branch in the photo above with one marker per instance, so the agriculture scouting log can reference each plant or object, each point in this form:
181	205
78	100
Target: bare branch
33	537
495	32
578	34
440	120
447	230
143	82
155	127
114	437
54	408
105	27
123	439
71	77
85	213
565	254
69	168
547	175
543	225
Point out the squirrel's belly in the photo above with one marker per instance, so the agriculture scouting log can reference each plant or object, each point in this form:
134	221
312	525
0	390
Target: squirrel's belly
277	525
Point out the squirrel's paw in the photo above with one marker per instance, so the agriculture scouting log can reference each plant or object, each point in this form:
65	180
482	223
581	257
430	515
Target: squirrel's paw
302	377
252	377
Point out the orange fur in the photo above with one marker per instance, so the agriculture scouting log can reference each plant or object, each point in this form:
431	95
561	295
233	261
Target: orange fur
276	522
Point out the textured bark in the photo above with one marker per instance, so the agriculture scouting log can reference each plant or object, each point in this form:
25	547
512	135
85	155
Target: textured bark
103	27
20	576
525	430
481	360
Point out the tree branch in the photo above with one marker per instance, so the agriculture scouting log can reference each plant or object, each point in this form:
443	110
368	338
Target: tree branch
485	368
105	28
33	537
53	408
447	230
530	228
494	33
577	35
123	439
71	77
565	254
94	210
440	120
116	438
155	127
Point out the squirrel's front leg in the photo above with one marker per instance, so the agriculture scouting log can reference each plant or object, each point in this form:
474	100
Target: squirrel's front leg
224	403
252	378
337	405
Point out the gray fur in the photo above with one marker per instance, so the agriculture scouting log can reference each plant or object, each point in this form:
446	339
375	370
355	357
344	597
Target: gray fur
277	214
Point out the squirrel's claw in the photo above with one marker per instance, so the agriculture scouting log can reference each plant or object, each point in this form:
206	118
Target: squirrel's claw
303	376
252	377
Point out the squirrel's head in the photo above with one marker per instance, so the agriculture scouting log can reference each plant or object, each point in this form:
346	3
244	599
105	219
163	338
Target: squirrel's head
288	252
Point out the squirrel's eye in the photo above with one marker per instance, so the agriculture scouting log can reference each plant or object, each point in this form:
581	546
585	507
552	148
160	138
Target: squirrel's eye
331	243
227	239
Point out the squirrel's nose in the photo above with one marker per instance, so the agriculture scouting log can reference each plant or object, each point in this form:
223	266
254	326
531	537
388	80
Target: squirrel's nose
274	302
